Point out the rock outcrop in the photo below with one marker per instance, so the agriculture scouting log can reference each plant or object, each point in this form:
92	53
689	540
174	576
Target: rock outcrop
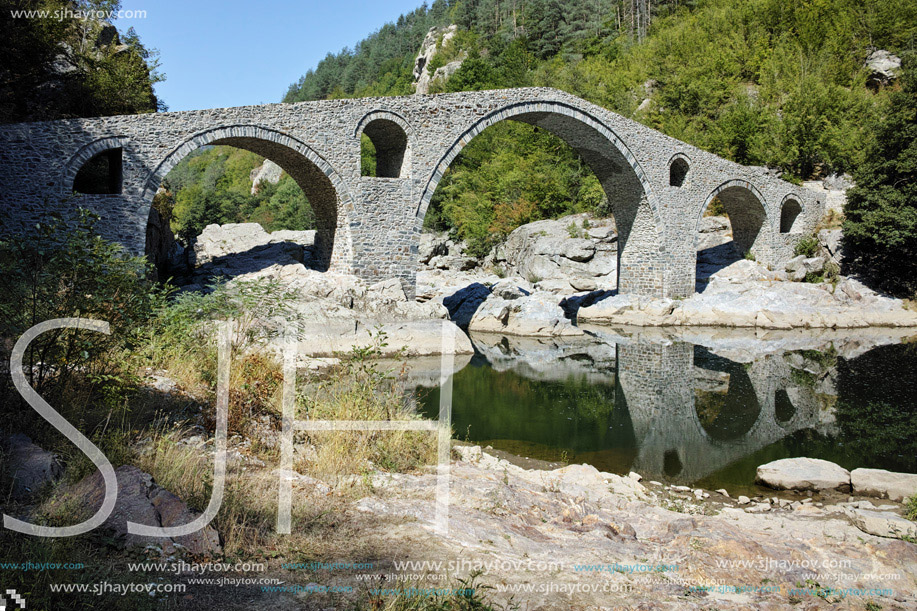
28	466
883	68
747	294
568	255
268	172
143	501
432	42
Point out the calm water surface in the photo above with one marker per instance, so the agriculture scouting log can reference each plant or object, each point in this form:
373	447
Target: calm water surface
686	413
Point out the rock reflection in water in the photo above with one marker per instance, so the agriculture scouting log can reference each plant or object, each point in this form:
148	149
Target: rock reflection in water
651	403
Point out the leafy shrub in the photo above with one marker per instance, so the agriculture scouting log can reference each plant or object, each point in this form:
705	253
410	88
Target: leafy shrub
910	508
65	270
807	247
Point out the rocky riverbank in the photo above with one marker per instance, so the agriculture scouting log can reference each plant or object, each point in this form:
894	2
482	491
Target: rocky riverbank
553	278
575	538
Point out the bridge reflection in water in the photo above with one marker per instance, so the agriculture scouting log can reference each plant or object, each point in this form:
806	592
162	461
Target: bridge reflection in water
666	409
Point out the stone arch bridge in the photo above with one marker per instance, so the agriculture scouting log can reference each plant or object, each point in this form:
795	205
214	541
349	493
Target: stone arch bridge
658	187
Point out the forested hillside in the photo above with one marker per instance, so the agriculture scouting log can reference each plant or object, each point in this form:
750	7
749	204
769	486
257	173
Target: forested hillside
763	82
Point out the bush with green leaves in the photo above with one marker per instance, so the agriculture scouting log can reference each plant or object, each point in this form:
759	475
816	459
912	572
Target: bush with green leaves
65	270
880	230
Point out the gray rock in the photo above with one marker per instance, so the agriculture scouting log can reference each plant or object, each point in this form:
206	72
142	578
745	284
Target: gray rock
883	67
559	250
713	224
832	241
803	474
882	483
29	466
538	315
268	172
511	288
582	283
141	500
883	524
216	242
795	264
390	289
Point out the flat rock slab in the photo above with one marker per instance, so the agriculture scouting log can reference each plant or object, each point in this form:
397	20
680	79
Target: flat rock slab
29	466
884	524
882	483
803	474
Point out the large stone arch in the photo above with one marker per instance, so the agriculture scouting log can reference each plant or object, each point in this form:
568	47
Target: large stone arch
749	214
641	248
324	188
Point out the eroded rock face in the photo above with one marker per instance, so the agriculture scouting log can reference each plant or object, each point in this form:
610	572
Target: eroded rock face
143	501
577	514
422	76
28	466
268	172
803	474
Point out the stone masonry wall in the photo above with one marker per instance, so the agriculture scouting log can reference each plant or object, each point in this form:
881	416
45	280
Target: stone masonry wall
370	226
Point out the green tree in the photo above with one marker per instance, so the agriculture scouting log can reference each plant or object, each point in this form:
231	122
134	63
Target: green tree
66	67
880	230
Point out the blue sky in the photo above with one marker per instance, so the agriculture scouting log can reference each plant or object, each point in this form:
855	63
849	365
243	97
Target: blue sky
234	53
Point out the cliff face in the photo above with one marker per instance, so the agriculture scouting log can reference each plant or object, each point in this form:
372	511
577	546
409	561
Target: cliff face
432	43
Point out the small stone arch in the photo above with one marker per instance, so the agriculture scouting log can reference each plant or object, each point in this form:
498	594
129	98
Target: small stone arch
748	214
322	185
391	135
790	214
641	261
83	156
679	166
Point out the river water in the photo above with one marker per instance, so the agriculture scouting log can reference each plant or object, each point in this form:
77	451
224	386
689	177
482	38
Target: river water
703	407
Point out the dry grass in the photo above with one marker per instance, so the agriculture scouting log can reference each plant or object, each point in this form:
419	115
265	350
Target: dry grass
832	220
362	395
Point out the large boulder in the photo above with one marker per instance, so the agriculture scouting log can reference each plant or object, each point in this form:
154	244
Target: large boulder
28	466
803	474
217	242
567	255
882	483
141	500
539	314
